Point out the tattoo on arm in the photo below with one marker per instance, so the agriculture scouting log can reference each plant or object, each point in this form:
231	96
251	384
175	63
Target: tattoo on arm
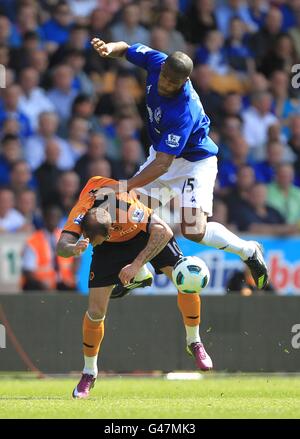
159	237
66	244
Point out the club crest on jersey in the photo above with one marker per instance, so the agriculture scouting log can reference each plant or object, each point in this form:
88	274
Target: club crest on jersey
173	140
138	215
157	114
143	49
78	219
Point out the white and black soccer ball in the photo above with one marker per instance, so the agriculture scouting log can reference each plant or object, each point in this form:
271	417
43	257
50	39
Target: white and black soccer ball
190	275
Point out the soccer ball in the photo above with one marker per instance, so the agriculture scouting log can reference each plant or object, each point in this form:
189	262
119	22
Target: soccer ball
190	275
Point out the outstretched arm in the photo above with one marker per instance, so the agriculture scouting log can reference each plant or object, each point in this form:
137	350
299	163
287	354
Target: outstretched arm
160	235
154	170
68	245
111	50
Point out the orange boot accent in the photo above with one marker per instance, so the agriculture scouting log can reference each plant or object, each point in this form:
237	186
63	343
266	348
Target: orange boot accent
190	306
93	333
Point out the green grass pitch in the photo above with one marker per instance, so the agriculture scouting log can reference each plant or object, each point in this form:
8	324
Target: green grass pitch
137	398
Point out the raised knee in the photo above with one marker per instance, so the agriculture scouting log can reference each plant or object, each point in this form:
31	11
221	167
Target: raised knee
195	234
196	237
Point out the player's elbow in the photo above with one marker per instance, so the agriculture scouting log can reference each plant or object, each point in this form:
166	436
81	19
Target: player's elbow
160	228
59	249
169	234
164	161
165	231
166	235
164	168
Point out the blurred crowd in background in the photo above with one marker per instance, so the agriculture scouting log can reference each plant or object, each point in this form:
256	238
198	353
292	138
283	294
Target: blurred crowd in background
67	114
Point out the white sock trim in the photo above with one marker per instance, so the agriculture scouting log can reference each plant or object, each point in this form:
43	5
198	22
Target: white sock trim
94	320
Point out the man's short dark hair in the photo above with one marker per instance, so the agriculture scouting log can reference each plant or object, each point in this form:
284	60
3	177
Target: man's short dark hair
180	63
30	35
96	222
82	98
9	138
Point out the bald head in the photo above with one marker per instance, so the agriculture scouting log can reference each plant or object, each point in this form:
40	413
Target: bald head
174	73
180	65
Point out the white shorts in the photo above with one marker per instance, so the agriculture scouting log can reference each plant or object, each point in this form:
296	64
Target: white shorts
192	182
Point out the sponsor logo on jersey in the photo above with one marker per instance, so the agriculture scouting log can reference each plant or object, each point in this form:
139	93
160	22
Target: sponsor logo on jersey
138	215
143	49
79	218
173	140
193	199
157	114
150	112
131	229
116	227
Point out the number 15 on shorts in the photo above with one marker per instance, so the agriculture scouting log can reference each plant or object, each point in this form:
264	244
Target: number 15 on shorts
188	192
188	185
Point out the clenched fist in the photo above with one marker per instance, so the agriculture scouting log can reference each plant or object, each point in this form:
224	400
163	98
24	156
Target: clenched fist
104	49
81	246
128	272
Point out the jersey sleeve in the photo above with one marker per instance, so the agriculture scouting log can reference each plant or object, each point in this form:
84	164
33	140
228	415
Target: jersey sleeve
85	202
145	57
174	137
73	224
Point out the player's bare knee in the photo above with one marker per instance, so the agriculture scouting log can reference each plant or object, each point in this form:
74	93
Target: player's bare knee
195	234
196	237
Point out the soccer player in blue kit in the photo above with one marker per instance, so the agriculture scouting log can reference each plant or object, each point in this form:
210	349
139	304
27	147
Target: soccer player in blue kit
182	158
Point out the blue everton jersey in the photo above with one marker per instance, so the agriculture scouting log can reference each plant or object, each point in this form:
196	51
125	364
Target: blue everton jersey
177	125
